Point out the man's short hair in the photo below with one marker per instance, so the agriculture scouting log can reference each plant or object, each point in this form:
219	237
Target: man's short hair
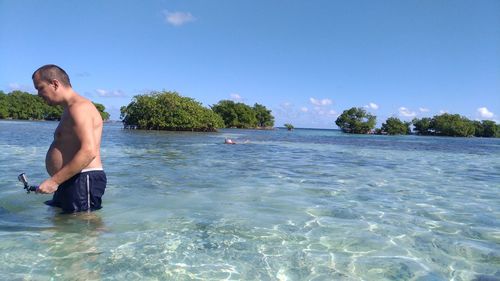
51	71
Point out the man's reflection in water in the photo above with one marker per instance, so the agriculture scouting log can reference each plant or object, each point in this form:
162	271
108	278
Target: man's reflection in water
74	246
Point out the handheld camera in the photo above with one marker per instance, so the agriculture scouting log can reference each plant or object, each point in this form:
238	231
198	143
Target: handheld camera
24	179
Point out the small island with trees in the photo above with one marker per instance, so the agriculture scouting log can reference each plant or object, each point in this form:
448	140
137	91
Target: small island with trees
170	111
242	116
289	126
357	121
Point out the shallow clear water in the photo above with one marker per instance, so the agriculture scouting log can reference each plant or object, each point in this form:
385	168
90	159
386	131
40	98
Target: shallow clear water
301	205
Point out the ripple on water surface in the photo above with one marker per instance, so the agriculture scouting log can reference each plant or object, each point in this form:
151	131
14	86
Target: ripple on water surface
301	205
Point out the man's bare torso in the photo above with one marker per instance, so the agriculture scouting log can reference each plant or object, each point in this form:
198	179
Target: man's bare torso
66	144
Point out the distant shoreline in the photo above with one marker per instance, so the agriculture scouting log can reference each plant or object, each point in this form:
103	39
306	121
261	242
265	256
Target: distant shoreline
256	129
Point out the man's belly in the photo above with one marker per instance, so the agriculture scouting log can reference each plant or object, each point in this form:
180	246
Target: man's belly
57	157
54	160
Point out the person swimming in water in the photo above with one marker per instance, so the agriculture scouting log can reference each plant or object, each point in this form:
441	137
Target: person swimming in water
231	141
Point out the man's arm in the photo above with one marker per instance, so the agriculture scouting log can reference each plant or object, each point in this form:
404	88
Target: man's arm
83	129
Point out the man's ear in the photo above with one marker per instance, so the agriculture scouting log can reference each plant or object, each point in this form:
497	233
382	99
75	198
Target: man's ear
55	84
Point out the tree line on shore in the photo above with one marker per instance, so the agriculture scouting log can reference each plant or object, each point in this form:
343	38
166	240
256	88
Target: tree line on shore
151	111
356	120
170	111
25	106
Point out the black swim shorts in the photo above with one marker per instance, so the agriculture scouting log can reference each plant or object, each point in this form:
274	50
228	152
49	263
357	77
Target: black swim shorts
82	192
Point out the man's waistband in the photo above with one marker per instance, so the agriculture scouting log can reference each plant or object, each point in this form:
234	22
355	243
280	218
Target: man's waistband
92	169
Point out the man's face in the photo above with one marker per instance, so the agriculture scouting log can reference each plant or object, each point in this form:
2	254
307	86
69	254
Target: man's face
45	90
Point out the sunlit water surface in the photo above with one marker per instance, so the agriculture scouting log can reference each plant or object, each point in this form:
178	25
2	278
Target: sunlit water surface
300	205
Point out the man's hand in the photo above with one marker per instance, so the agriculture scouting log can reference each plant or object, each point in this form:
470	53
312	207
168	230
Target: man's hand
48	186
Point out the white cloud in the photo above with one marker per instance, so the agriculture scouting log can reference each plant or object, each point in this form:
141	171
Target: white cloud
19	87
320	112
371	105
286	106
101	92
423	109
405	112
315	116
14	86
236	97
485	113
320	102
110	94
178	18
443	111
286	111
324	112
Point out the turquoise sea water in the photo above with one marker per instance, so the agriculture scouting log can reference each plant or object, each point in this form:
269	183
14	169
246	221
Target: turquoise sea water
300	205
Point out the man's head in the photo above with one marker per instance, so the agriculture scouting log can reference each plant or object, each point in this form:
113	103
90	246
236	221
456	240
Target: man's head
51	72
48	79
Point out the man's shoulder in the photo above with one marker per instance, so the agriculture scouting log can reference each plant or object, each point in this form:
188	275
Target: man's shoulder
83	107
82	103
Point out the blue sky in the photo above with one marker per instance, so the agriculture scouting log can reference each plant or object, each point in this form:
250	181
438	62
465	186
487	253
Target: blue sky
307	61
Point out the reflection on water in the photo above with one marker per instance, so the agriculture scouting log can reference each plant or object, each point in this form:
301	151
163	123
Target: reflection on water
301	205
72	250
64	246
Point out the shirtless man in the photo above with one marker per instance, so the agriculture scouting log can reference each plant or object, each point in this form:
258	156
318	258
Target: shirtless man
73	160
